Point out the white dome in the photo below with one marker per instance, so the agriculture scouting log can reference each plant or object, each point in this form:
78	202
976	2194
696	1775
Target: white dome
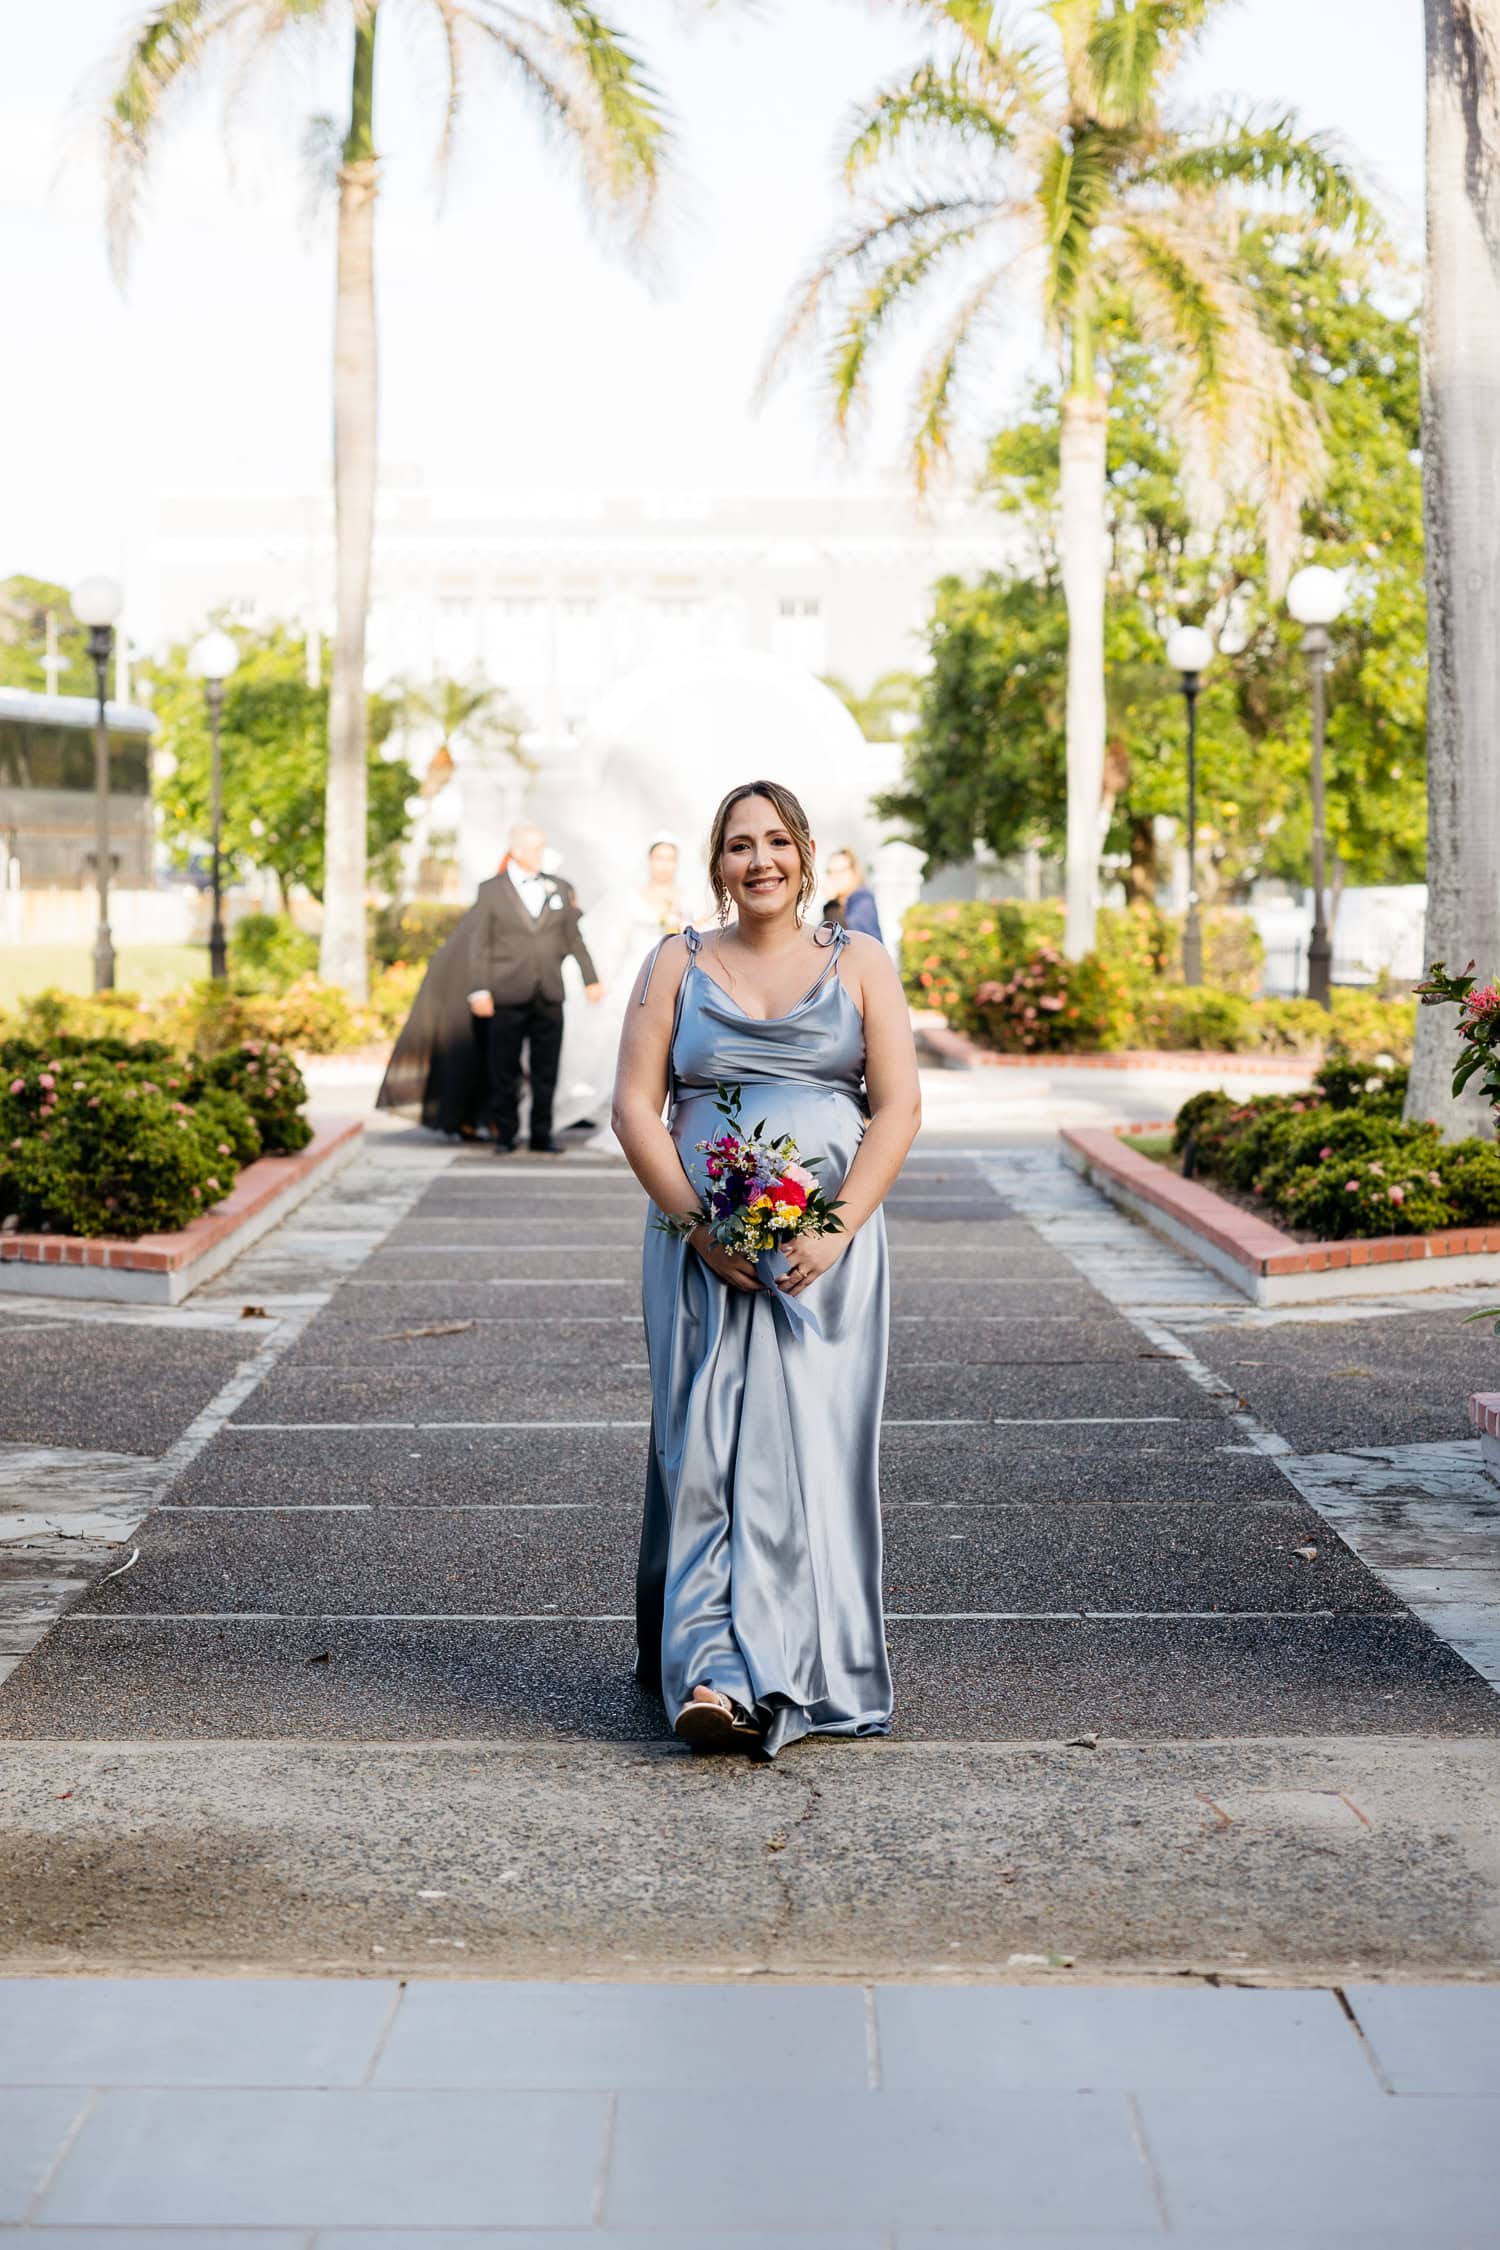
666	742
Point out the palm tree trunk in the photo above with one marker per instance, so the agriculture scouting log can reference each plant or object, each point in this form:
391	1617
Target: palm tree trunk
1461	510
342	958
1085	550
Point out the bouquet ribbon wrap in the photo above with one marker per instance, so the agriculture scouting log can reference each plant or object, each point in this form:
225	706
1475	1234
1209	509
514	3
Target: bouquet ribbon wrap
770	1266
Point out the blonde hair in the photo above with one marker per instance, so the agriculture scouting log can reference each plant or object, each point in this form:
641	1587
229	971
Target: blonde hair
847	851
792	818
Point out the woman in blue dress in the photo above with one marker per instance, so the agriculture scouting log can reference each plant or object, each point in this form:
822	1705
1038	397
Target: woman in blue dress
758	1595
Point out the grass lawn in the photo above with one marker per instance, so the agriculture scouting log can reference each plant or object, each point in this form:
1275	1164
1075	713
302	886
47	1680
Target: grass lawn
145	969
1158	1146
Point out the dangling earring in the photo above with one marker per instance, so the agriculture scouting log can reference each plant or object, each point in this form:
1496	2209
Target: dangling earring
723	909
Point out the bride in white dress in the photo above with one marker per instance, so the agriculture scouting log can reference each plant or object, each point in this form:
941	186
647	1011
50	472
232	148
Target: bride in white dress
620	932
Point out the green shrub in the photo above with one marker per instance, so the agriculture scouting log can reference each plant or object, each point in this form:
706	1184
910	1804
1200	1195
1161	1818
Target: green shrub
231	1121
393	992
1047	1005
1393	1194
97	1148
1194	1017
1367	1028
1343	1084
414	932
948	949
266	1079
267	952
1470	1173
1199	1115
52	1015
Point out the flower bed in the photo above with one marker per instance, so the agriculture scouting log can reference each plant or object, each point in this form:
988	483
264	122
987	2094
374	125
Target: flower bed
1340	1161
985	963
107	1137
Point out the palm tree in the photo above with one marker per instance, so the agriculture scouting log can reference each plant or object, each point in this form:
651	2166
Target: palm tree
1051	157
588	84
1461	507
882	709
473	711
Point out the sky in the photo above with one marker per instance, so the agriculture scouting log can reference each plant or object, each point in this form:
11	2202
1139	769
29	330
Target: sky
523	358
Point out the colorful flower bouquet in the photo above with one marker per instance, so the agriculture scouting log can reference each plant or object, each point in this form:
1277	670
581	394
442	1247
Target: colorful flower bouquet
761	1196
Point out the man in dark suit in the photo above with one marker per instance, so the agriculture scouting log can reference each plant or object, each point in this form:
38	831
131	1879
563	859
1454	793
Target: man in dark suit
526	926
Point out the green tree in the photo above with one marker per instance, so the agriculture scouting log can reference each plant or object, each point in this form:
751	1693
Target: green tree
475	712
588	83
1053	155
25	605
989	745
274	751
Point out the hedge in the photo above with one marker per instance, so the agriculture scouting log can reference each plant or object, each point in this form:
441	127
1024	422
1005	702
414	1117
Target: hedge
112	1138
1341	1160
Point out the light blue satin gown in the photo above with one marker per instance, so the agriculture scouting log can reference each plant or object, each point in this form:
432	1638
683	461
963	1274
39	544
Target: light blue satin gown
760	1551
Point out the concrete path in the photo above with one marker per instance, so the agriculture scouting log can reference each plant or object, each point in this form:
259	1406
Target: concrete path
370	2115
357	1695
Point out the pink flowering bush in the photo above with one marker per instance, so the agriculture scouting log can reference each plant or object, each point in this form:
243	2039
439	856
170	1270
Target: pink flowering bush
1367	1195
102	1150
1049	1005
265	1078
1478	1027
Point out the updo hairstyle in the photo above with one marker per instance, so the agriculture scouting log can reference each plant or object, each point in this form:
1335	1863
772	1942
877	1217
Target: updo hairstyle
792	818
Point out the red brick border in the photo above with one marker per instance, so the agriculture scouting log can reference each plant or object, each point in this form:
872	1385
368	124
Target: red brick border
259	1184
1254	1243
1484	1413
955	1048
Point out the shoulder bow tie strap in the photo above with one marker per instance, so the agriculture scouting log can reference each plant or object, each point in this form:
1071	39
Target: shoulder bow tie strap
690	939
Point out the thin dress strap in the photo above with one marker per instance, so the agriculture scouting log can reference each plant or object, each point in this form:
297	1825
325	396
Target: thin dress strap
690	939
833	945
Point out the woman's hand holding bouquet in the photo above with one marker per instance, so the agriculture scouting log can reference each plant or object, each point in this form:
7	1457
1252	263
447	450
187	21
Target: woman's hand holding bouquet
761	1199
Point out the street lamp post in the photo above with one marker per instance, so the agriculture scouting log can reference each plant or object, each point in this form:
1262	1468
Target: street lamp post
1189	652
212	661
97	603
1315	597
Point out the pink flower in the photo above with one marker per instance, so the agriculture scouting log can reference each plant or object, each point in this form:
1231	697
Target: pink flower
1396	1194
1351	1187
1048	1001
18	1085
211	1182
1484	1003
1323	1154
17	1144
1378	1170
198	1192
47	1080
93	1101
224	1149
149	1087
801	1175
1436	1178
78	1085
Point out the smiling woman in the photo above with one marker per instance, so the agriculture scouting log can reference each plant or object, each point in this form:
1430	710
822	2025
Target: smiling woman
758	1595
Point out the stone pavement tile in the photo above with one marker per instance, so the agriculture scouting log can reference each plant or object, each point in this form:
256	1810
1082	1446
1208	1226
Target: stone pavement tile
1346	2164
167	2031
110	1679
1122	1390
111	1387
674	2035
1119	2037
117	1681
180	2238
211	2158
34	2125
1181	1678
582	1563
694	2236
1432	2039
936	1468
292	1393
452	1295
416	1468
1179	2240
915	2159
483	1340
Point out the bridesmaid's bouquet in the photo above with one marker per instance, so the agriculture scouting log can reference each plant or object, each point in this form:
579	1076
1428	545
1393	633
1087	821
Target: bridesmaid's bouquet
760	1194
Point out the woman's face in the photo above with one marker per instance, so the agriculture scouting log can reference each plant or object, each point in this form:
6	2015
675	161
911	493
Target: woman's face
663	865
841	872
760	864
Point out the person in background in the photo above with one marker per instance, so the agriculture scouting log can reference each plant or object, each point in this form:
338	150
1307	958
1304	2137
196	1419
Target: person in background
525	927
853	902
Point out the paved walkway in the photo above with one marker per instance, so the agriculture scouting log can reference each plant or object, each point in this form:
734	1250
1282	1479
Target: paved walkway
353	1701
366	2115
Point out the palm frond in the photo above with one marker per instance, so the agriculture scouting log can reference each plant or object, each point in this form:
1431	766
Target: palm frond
1125	53
451	26
866	243
868	314
939	378
1074	189
929	101
166	48
1267	153
586	83
1241	422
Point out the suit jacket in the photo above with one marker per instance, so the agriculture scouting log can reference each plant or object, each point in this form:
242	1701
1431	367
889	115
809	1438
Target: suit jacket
517	956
